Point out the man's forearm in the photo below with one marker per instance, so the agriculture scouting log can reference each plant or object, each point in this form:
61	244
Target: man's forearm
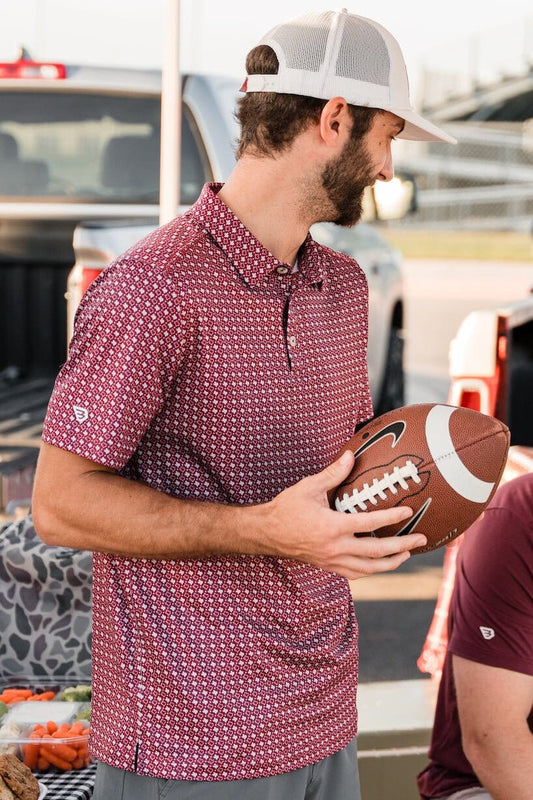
80	504
100	510
504	764
494	705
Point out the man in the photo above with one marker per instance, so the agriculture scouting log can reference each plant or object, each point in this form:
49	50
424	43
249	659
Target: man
215	371
482	743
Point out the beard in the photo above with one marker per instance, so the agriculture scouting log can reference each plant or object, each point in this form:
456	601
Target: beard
344	180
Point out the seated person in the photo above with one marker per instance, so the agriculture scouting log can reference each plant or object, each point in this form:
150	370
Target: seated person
45	606
482	742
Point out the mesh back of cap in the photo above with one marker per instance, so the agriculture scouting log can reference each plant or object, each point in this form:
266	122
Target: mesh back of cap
335	53
368	62
304	46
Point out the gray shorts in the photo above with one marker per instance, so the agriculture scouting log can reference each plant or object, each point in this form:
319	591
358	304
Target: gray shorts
334	778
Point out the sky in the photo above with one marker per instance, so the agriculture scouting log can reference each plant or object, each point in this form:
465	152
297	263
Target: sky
471	38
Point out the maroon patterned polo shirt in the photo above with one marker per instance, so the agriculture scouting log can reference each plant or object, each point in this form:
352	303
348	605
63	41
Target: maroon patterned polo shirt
202	367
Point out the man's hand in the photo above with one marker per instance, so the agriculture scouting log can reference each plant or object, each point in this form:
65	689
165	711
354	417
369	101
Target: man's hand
301	525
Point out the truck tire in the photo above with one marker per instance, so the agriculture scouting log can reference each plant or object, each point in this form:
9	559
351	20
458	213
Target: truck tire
392	393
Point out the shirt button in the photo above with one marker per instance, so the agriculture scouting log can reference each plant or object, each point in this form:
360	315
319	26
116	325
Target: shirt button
292	341
281	270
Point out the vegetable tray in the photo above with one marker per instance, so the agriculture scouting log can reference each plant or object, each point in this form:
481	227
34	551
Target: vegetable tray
46	722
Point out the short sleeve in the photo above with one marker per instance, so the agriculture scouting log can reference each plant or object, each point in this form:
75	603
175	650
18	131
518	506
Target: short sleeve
492	610
129	339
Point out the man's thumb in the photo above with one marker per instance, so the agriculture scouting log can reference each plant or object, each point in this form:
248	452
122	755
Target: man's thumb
336	472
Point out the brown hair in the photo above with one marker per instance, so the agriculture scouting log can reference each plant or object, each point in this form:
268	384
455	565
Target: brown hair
270	122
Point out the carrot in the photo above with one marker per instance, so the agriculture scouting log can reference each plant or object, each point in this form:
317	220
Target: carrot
42	763
42	696
15	690
50	748
77	728
54	759
31	755
64	751
16	695
63	731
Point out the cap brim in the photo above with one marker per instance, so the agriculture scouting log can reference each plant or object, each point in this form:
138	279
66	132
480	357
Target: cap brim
419	129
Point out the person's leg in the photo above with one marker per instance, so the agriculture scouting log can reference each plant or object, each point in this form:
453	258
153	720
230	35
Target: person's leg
334	778
121	785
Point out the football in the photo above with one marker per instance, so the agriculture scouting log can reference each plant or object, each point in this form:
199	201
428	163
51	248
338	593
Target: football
443	461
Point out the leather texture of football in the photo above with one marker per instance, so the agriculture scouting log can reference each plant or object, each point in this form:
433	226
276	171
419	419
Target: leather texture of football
444	462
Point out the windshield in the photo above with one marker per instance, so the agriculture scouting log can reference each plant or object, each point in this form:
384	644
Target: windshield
90	147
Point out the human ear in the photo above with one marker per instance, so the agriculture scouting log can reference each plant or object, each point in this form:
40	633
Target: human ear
334	121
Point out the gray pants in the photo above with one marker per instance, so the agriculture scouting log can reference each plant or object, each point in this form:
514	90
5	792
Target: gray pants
334	778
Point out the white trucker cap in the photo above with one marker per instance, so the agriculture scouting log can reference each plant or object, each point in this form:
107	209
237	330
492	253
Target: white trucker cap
335	53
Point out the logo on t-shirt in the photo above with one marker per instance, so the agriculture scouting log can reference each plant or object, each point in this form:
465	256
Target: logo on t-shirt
80	413
487	633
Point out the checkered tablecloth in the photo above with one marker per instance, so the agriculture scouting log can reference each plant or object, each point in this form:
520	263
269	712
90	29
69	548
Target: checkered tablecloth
75	785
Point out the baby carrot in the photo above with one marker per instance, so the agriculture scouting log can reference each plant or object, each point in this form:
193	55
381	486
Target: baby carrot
62	732
76	728
42	696
62	750
31	755
51	726
54	759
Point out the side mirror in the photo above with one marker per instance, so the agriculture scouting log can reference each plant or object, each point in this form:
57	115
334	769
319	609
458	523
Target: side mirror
391	199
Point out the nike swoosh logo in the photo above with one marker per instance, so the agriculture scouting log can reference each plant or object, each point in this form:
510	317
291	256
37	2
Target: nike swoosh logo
394	429
411	524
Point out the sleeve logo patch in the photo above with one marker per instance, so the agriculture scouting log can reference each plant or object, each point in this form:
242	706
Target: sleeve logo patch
80	413
487	633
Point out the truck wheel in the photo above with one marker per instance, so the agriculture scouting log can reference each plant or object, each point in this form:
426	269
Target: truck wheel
393	388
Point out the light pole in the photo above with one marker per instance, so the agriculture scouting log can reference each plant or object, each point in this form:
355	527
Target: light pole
169	176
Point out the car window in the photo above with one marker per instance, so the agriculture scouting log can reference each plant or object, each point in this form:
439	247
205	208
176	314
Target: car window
90	147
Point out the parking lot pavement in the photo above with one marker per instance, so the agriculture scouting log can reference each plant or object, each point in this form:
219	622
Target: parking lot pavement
394	612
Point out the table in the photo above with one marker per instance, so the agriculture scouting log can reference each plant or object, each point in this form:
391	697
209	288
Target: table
75	785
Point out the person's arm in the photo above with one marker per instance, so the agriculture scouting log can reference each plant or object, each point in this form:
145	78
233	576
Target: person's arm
81	504
494	705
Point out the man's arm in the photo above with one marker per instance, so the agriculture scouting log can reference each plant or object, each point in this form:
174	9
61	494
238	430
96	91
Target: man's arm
494	705
83	505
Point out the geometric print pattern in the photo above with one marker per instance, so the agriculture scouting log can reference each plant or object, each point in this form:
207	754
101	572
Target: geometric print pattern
207	369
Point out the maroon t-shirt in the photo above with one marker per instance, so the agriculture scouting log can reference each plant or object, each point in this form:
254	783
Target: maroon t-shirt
206	369
491	622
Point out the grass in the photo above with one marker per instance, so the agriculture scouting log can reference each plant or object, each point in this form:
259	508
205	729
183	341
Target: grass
483	245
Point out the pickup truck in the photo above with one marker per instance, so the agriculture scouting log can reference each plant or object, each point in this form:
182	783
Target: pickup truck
79	183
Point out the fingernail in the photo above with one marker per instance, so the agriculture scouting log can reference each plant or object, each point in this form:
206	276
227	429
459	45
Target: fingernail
346	458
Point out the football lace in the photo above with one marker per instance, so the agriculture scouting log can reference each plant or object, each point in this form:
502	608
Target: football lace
369	493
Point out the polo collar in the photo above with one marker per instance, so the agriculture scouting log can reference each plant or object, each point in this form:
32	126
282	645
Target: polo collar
251	259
